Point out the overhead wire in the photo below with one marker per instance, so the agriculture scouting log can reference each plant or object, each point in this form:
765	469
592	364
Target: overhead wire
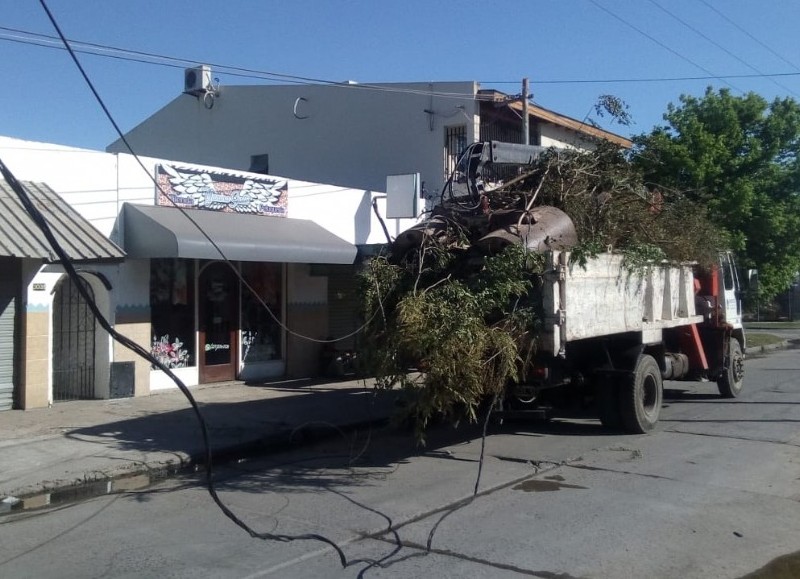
142	57
48	41
707	38
749	35
661	44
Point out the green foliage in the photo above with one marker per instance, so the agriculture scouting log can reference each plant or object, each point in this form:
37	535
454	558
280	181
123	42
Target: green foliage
638	256
738	158
614	107
450	340
612	209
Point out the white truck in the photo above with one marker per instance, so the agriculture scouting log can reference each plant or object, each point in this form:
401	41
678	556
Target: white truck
615	332
622	333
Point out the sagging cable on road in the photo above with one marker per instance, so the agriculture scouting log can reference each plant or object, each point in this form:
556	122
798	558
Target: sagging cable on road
43	225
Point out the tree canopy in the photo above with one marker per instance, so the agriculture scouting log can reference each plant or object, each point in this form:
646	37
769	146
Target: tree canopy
738	157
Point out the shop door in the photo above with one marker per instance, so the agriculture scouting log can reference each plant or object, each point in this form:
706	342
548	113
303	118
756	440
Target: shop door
219	322
73	343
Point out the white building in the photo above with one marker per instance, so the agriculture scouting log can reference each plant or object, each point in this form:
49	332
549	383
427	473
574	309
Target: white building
167	288
347	134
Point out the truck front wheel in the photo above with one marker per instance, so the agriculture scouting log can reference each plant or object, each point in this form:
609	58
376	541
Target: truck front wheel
731	381
641	395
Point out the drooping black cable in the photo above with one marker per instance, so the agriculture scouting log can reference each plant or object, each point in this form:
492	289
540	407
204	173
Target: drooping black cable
463	503
42	224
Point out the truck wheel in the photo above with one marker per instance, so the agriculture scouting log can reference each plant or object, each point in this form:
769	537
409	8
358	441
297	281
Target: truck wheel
731	381
607	400
641	395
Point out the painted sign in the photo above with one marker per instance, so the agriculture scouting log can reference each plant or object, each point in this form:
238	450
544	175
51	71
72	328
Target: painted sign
218	191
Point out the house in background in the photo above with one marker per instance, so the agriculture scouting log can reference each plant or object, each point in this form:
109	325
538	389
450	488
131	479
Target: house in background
346	134
159	278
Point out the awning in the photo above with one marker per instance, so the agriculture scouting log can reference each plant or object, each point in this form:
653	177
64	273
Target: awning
21	237
154	231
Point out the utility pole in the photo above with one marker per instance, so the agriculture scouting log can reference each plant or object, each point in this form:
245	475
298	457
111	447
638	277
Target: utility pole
526	140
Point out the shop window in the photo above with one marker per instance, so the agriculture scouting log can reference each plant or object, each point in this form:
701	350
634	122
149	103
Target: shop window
261	334
172	300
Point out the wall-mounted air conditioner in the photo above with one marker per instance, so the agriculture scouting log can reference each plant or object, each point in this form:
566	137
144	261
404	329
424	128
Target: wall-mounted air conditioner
197	80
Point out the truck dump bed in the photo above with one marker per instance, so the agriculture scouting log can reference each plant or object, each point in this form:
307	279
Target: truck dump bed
604	298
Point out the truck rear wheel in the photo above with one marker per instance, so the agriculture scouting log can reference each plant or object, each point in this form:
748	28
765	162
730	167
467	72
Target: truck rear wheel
641	395
731	381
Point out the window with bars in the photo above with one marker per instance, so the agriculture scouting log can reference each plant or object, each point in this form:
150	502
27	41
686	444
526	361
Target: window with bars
455	141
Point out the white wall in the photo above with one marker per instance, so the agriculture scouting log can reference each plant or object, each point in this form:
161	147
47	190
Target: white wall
97	184
555	136
350	135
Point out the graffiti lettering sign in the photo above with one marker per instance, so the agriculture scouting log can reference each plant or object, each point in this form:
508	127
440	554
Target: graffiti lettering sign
219	191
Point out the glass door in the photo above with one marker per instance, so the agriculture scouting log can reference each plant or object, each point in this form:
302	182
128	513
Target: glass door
218	299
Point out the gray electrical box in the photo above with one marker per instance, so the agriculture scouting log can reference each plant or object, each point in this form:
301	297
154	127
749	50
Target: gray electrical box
402	194
122	379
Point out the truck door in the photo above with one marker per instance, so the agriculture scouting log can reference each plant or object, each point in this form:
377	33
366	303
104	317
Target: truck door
731	294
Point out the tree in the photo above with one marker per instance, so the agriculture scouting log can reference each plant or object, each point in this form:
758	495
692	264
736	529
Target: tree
738	157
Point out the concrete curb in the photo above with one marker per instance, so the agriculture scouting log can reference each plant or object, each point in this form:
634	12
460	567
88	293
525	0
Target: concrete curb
186	463
768	347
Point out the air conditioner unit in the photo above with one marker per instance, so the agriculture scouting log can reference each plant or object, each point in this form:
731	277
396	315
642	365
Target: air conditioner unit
197	80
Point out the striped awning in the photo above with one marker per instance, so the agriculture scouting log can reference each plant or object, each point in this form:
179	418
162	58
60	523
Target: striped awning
21	237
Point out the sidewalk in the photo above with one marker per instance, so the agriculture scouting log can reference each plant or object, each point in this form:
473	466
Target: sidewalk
74	443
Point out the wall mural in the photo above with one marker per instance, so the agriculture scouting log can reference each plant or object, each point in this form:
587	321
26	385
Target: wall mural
221	191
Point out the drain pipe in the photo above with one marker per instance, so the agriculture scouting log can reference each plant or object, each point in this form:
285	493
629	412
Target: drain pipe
378	215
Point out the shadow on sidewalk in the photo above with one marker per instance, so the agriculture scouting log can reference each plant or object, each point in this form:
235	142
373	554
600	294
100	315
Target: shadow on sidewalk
265	422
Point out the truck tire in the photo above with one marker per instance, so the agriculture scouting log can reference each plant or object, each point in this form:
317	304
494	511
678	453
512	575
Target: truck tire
731	381
641	395
607	400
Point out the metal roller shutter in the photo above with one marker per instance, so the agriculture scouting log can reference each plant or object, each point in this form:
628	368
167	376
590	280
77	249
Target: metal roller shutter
343	305
10	284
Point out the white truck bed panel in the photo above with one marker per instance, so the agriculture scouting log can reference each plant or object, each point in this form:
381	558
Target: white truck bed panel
603	298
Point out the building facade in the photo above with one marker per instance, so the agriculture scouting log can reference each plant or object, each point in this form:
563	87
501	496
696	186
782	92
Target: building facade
349	134
221	274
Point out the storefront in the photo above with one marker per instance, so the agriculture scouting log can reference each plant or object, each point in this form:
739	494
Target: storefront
225	319
227	283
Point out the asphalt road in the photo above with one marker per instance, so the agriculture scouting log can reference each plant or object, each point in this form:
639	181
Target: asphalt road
714	492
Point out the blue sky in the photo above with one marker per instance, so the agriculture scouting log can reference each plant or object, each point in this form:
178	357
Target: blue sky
554	43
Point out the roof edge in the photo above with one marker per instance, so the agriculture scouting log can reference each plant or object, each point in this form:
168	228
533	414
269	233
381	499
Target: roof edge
555	118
